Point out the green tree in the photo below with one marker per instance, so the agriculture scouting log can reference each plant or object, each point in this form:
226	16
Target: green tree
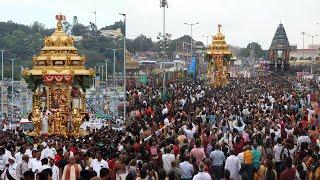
37	27
140	44
254	48
80	30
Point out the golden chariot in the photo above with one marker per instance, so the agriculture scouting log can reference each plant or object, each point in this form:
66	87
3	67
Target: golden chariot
58	80
219	59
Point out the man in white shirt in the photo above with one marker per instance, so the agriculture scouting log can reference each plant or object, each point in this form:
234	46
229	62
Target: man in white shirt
310	113
189	131
29	150
233	164
182	102
289	130
197	96
55	170
192	99
98	163
277	155
45	164
2	159
218	158
12	169
36	163
49	151
202	175
19	155
186	168
276	130
303	138
167	158
166	121
165	110
34	154
245	111
239	125
308	98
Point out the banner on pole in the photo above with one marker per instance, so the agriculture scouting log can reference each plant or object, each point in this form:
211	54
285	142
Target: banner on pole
192	66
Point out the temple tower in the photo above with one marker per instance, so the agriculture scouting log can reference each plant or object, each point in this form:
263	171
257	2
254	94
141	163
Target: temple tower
279	50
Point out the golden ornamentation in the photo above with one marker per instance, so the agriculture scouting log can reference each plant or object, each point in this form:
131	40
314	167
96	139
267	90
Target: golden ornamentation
77	120
218	52
36	118
57	65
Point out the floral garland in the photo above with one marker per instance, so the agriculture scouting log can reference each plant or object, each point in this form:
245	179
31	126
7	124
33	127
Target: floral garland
58	78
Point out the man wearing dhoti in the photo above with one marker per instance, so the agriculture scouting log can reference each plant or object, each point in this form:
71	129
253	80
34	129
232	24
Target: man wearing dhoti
72	170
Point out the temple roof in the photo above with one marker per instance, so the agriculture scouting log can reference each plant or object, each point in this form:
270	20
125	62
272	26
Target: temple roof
218	44
58	54
280	39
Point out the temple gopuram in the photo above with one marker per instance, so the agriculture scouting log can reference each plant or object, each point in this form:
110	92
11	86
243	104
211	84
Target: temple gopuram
219	55
58	80
279	50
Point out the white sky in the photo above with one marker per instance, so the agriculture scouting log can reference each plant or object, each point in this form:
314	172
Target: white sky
243	21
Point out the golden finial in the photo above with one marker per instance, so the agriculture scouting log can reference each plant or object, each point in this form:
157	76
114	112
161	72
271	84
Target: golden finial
60	18
219	27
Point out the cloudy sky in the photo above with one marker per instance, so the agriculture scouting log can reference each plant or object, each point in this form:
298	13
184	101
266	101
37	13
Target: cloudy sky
243	21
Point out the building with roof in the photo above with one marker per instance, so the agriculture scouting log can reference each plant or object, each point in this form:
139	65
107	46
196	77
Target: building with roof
305	54
305	59
111	33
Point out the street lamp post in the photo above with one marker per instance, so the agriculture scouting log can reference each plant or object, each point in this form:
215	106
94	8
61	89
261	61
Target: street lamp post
2	79
114	69
313	62
124	69
207	36
114	78
165	37
106	71
164	45
164	5
191	28
12	81
102	72
303	34
95	18
2	51
312	37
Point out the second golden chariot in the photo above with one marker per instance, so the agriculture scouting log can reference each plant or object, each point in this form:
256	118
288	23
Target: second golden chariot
58	80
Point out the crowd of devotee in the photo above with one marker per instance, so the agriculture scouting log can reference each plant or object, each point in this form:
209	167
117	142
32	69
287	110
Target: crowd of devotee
257	128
